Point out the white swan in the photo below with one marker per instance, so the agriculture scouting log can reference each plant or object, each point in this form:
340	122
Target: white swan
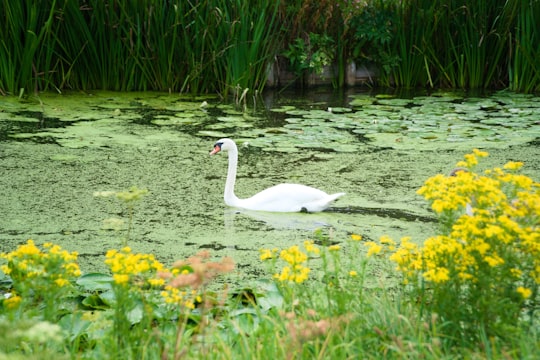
279	198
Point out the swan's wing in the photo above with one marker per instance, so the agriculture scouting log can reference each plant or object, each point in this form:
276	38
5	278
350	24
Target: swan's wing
289	198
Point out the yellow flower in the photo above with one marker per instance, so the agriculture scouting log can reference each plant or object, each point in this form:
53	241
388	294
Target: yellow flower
156	282
334	248
311	248
5	269
524	292
387	240
301	274
27	249
111	253
480	153
493	260
297	274
353	273
266	254
437	275
293	255
285	273
516	272
61	282
12	302
120	279
355	237
513	165
73	269
374	248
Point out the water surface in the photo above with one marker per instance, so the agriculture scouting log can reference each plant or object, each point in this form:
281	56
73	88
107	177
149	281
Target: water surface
56	151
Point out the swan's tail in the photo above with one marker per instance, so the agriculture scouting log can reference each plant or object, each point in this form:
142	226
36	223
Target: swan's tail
321	204
335	196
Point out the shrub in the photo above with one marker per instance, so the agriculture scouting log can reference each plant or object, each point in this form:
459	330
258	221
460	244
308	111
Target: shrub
481	275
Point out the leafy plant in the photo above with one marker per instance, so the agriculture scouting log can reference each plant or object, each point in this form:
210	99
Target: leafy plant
310	55
481	274
524	66
39	277
372	31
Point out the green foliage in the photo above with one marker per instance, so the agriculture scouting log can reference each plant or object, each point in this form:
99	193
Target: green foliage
458	44
195	47
373	30
310	55
219	45
524	66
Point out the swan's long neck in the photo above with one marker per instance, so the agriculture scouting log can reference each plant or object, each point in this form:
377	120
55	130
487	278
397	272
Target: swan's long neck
230	198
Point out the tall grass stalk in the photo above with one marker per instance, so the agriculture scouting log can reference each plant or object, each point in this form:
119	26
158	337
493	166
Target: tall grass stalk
411	44
524	69
24	62
253	38
476	35
454	43
187	46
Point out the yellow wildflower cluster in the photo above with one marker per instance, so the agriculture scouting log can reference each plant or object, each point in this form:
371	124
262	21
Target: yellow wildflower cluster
267	254
52	267
385	245
126	266
494	233
296	271
182	297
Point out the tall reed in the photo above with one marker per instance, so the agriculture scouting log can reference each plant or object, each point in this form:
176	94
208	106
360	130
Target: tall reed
219	45
252	39
188	46
524	69
24	62
453	43
476	35
412	43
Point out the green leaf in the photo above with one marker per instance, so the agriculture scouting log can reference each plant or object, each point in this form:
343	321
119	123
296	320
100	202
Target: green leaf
95	282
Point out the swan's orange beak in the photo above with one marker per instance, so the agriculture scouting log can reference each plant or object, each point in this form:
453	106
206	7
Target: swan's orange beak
217	149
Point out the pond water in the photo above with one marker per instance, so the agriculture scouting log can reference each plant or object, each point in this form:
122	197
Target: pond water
56	151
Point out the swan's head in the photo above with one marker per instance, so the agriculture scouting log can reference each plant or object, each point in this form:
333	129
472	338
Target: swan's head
223	145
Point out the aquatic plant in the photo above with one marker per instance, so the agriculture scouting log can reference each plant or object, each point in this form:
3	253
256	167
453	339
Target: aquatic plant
524	66
130	198
310	55
217	45
203	46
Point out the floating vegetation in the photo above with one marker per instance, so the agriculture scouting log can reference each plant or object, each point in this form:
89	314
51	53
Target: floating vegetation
441	121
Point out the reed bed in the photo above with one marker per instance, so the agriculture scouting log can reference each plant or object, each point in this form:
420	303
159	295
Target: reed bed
186	46
223	46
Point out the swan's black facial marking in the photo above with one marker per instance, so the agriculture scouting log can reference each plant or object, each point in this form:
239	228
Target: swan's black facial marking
217	148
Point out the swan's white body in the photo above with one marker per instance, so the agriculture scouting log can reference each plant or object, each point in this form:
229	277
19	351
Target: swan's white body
279	198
